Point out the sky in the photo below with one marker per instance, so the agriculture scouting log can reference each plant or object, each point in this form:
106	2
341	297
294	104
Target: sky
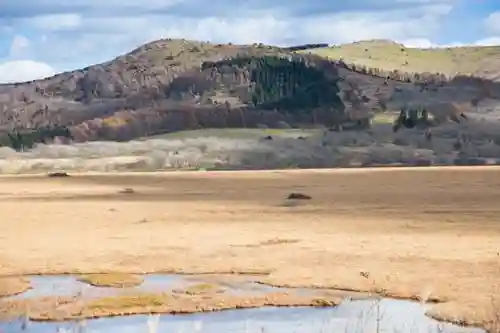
39	38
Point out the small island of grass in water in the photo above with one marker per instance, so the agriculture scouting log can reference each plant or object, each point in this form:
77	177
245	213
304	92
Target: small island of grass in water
112	280
202	288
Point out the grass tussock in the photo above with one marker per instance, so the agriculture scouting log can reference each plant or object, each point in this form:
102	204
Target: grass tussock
124	302
201	288
159	303
322	302
113	280
10	286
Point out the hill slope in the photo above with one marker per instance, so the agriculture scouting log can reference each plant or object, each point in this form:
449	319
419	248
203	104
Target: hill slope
479	61
177	84
171	85
126	80
392	76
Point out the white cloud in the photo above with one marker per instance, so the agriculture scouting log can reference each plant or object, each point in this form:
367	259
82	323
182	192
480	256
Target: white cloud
344	28
18	46
24	70
100	38
266	29
425	43
123	33
489	41
55	22
492	22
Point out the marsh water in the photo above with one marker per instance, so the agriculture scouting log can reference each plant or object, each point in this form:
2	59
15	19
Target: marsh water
67	285
351	316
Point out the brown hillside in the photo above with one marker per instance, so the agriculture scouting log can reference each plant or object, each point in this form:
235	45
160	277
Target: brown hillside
102	89
157	87
161	87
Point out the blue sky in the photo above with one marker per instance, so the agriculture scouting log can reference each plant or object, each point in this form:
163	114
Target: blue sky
43	37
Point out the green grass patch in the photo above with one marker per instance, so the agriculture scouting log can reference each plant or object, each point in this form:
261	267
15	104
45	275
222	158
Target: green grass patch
202	288
114	280
124	302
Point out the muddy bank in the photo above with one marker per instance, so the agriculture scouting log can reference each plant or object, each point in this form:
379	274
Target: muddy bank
403	295
468	315
440	308
10	286
349	316
70	308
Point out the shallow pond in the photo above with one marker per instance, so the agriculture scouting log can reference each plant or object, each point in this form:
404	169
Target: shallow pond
67	285
352	316
360	316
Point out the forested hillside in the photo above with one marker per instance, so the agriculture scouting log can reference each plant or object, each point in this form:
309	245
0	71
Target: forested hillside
171	85
249	89
286	84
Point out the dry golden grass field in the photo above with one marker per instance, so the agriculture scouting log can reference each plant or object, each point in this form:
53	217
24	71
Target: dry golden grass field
407	232
480	60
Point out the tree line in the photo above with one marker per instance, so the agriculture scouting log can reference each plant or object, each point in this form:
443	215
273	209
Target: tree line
291	84
422	79
23	139
306	47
